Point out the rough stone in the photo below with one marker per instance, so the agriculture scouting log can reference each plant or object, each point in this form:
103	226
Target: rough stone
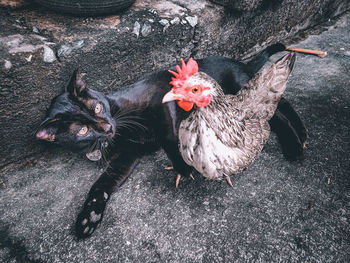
192	20
175	21
136	29
7	64
48	55
66	49
29	58
164	22
146	29
36	30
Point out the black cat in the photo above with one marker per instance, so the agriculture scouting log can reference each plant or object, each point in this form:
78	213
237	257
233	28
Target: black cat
123	126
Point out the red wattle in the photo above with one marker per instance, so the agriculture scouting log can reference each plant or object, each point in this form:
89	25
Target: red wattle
186	105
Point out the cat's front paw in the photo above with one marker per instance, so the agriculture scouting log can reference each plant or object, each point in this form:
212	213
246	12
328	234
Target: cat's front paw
91	216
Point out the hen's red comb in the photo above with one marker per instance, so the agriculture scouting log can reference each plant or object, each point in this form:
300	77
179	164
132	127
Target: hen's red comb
183	73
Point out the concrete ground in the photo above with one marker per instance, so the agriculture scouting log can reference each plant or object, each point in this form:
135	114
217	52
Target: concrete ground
277	211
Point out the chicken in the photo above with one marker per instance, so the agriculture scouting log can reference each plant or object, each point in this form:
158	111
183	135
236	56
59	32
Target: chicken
225	133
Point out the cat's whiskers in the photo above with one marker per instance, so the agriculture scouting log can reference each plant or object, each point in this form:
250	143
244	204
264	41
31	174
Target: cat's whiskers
128	120
110	140
132	124
121	113
130	115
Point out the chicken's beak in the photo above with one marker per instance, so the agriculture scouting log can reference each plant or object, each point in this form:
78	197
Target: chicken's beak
170	96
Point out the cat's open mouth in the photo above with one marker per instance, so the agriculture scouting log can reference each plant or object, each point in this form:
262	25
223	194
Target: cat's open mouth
96	155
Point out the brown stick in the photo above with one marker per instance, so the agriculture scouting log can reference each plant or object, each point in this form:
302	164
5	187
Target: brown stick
319	53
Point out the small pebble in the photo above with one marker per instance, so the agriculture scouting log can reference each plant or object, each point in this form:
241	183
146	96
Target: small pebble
192	20
164	22
36	30
49	55
146	29
8	64
153	11
136	29
78	44
175	21
66	49
29	59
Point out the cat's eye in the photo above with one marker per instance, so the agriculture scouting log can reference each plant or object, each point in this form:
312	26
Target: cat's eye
83	130
98	108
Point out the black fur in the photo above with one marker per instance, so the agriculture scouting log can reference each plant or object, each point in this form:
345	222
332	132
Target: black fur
141	124
259	60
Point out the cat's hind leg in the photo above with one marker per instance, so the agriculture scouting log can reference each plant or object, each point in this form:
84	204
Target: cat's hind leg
292	143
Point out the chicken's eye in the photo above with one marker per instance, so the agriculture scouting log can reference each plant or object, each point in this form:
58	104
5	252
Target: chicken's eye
98	108
195	90
83	130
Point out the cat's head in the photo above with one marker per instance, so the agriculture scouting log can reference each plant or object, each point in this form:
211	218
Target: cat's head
80	118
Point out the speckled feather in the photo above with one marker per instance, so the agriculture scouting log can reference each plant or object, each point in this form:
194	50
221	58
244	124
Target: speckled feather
226	136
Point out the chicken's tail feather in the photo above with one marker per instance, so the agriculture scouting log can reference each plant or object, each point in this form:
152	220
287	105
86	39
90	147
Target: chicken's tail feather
260	59
289	61
261	94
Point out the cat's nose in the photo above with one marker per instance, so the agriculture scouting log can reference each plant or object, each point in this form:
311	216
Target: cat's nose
107	128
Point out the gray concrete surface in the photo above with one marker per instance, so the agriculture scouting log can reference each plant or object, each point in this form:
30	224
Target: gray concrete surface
39	49
277	211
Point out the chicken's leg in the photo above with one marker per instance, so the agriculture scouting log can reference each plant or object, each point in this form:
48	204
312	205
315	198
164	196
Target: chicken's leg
178	177
172	150
229	181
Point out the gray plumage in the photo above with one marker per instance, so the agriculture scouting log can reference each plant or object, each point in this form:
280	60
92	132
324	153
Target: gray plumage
226	136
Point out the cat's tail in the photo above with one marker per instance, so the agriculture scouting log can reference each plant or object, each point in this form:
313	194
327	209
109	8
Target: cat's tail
256	63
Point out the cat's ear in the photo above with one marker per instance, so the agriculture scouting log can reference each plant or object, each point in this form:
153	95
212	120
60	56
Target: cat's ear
75	85
47	130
